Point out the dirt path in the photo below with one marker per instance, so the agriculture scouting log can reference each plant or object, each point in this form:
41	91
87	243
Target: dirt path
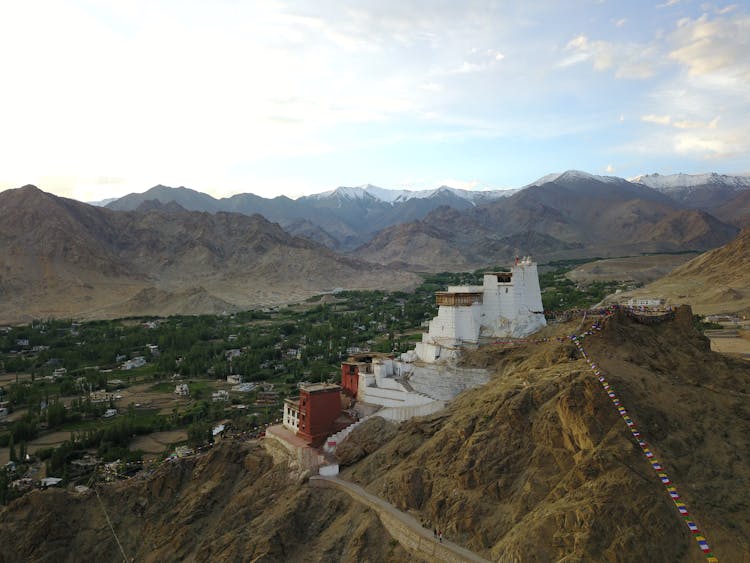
403	527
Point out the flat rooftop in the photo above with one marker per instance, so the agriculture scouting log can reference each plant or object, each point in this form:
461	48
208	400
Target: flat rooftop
318	387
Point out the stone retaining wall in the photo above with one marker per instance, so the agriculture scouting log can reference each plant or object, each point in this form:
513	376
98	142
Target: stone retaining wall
402	527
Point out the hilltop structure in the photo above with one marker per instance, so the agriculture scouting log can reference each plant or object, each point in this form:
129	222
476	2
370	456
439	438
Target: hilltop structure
507	304
421	381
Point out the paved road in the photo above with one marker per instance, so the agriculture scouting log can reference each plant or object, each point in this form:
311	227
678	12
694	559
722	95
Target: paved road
426	543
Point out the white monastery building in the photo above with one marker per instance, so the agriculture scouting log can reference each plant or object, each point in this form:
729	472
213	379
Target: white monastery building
507	304
423	380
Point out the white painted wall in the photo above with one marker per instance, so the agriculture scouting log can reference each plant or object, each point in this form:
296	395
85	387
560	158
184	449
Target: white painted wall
392	397
291	418
329	470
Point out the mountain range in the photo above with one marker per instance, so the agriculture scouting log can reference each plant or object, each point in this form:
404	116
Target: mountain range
342	219
60	257
566	215
175	250
495	224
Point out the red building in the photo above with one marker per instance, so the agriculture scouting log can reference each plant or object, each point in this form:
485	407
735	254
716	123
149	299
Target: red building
313	415
350	377
354	366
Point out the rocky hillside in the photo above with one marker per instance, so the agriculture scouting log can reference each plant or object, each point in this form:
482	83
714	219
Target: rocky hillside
233	504
539	466
562	216
736	211
717	281
59	257
535	466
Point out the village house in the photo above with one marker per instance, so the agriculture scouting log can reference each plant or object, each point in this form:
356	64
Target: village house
244	387
134	363
234	379
182	390
220	395
233	353
101	396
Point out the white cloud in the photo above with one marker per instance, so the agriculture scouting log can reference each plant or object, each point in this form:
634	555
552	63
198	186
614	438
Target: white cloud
687	124
726	9
630	60
621	22
719	46
609	169
660	119
668	4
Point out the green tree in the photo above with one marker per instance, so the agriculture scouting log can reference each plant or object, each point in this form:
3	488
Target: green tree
12	449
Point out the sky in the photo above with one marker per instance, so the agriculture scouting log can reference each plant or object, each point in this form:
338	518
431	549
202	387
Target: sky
100	99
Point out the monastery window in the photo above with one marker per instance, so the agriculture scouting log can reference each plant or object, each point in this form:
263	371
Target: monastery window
506	290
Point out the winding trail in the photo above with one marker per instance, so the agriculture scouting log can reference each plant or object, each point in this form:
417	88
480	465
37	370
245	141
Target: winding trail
403	527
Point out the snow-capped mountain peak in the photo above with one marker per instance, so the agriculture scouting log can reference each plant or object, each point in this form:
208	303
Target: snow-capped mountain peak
572	175
385	195
672	182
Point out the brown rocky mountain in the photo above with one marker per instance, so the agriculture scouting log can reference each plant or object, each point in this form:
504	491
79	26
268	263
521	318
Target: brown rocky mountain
568	215
717	281
535	466
59	257
736	211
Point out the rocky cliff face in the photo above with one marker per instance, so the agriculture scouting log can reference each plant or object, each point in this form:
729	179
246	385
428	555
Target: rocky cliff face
535	466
